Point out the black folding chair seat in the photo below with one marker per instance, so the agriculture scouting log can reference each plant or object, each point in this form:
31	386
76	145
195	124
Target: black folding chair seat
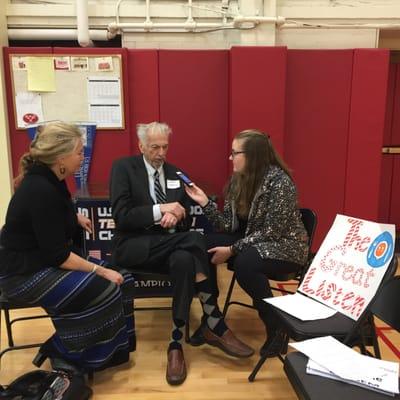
311	387
339	326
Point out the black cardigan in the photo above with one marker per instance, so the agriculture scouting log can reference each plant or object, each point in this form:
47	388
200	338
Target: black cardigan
40	224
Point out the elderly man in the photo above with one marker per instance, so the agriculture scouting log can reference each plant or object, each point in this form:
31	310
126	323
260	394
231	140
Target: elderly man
150	209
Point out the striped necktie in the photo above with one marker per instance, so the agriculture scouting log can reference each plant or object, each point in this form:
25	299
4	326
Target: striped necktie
158	190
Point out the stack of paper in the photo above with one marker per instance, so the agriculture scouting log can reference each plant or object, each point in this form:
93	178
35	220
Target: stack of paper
334	360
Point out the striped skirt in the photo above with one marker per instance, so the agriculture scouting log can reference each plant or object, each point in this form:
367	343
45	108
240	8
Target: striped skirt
93	317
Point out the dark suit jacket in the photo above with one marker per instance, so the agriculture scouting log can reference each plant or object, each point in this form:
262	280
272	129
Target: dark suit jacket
132	209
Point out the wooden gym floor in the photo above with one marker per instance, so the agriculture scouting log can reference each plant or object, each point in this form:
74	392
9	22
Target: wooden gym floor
211	374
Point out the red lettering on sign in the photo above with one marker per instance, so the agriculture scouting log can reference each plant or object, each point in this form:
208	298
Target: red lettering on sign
353	238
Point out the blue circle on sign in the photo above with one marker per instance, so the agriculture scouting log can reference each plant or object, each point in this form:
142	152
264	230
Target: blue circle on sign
381	250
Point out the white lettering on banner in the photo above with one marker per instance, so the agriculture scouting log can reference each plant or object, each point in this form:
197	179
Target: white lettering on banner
152	283
350	265
106	223
105	235
104	211
196	210
83	211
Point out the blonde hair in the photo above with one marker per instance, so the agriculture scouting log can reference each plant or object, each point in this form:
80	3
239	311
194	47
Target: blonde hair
51	141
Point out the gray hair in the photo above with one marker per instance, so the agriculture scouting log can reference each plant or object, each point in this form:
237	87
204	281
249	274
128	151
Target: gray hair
143	130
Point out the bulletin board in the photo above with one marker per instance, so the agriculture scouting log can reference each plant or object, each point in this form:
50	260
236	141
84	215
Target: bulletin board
73	97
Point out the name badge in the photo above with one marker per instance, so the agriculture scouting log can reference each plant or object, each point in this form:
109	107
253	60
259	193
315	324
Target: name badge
173	184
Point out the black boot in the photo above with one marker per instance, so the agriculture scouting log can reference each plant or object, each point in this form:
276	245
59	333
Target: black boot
276	342
58	363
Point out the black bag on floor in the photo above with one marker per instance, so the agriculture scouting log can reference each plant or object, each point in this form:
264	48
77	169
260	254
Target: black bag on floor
46	385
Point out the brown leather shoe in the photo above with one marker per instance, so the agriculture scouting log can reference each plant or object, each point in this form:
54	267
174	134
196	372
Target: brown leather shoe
228	343
176	367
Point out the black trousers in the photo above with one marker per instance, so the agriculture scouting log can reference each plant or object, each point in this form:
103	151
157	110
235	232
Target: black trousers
252	273
180	255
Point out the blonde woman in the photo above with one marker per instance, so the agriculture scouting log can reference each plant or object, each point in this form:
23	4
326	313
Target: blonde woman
90	305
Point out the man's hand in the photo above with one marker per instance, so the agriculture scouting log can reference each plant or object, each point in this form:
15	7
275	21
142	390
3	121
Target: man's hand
173	208
221	254
168	220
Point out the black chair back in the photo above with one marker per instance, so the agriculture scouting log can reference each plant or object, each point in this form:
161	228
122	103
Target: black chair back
309	219
385	306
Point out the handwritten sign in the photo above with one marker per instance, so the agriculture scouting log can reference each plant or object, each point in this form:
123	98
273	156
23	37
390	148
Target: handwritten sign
350	264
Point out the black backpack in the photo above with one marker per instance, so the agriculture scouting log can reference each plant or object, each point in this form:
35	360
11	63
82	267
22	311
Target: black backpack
46	385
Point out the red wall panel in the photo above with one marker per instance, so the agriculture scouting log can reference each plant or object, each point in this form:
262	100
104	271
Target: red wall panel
366	132
387	159
257	91
317	118
194	102
394	216
143	89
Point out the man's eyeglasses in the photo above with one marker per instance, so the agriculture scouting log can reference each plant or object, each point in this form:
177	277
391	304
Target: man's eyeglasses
234	153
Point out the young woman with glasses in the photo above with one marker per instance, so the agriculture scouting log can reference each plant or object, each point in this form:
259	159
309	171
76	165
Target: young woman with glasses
260	225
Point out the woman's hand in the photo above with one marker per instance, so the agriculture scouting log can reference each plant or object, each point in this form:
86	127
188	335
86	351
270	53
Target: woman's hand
221	254
197	194
84	222
110	275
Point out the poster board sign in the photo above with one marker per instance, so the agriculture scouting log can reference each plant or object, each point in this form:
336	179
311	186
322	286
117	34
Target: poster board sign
350	265
69	99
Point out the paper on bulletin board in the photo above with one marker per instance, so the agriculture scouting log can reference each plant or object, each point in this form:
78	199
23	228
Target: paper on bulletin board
104	98
41	74
29	108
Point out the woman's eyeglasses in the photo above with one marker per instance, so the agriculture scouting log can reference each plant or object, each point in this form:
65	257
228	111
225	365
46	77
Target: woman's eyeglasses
234	153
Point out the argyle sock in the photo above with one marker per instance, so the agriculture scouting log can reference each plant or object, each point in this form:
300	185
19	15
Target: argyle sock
176	334
212	314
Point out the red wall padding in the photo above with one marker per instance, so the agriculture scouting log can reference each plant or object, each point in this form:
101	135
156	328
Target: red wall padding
317	118
366	132
387	159
324	109
257	91
395	141
194	102
143	90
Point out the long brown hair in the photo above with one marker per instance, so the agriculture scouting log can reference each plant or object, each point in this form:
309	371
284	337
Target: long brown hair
260	155
51	141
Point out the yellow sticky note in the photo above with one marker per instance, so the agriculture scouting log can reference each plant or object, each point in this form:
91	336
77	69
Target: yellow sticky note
41	74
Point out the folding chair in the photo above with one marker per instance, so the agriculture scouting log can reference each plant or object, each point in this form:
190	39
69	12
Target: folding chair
311	387
6	306
339	326
309	219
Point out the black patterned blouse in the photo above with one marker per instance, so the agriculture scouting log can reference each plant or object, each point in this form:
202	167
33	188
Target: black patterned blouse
274	224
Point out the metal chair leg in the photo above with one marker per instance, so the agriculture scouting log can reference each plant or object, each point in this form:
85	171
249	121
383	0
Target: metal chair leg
8	327
229	295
